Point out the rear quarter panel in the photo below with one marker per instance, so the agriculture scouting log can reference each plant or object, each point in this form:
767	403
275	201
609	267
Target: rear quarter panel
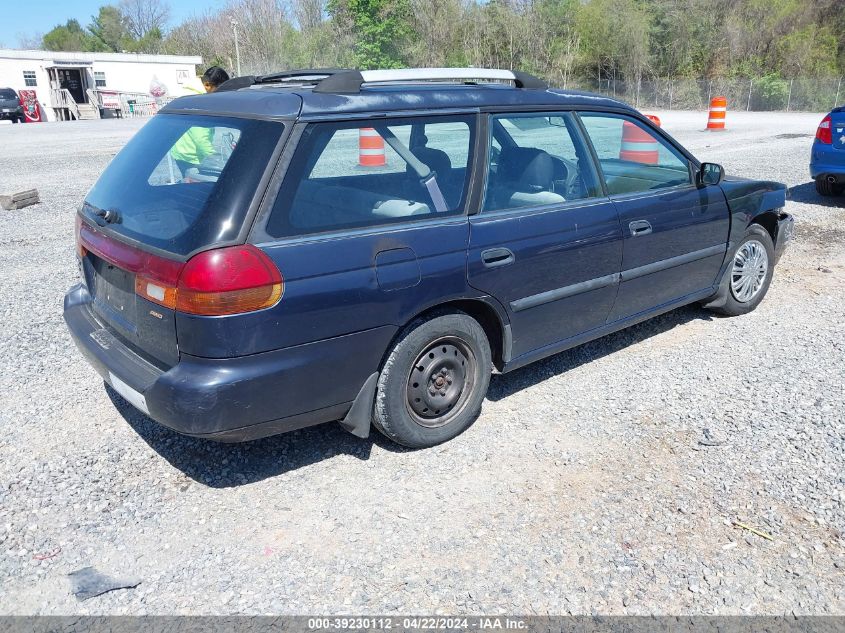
333	288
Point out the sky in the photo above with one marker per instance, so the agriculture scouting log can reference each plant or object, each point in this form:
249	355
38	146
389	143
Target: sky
28	19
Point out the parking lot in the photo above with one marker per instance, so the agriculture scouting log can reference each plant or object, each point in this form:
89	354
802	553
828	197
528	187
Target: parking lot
608	479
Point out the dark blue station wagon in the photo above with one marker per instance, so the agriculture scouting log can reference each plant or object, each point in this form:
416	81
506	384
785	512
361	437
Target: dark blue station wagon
367	246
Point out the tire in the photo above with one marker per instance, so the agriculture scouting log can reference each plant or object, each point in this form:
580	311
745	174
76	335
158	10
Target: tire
744	296
424	397
826	188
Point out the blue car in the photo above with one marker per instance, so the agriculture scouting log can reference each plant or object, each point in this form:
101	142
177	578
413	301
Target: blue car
827	161
367	246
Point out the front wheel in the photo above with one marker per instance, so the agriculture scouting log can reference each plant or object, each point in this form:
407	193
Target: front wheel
434	381
750	273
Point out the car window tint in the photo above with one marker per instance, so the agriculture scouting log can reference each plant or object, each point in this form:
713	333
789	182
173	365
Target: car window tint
632	158
340	177
535	161
341	155
186	181
198	155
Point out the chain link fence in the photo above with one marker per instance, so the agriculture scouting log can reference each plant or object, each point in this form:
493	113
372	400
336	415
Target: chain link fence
763	94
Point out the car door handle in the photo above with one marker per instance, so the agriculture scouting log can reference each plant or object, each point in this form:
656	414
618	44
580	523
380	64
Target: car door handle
640	227
494	257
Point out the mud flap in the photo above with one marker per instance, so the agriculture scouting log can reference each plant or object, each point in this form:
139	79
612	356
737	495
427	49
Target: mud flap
719	299
360	416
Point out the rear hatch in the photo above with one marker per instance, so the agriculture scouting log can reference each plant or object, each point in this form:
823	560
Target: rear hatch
182	185
837	128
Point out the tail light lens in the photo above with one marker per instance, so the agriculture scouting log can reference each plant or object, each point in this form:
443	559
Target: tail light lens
228	280
824	133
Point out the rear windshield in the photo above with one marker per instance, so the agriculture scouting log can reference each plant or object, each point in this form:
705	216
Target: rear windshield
7	93
185	182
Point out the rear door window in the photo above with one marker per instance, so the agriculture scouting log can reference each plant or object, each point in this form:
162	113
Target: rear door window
633	159
185	182
349	174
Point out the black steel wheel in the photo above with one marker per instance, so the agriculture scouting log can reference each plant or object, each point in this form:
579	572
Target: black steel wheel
434	381
440	382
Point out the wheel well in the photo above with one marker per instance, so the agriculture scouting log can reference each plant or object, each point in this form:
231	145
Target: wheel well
486	317
769	221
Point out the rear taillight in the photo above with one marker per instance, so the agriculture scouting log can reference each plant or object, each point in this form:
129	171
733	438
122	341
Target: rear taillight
228	280
823	133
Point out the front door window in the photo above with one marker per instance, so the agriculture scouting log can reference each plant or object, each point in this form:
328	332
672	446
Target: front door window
633	158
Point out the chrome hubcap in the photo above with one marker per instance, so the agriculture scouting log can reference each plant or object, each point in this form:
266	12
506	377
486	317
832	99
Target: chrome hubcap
751	263
440	382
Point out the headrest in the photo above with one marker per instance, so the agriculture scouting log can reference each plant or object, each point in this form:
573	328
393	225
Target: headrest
436	160
529	168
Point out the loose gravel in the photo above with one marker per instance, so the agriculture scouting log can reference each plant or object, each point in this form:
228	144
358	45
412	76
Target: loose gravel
607	479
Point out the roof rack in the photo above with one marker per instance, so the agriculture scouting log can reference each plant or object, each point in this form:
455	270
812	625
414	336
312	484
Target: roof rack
344	81
303	75
352	80
308	75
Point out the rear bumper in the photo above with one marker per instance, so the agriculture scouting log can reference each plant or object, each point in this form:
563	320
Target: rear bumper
786	229
232	399
825	160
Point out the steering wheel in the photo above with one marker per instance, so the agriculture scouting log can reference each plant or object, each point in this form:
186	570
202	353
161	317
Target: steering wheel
573	188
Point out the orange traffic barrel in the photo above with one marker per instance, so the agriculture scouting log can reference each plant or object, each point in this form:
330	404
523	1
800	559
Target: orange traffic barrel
638	145
718	108
654	119
370	148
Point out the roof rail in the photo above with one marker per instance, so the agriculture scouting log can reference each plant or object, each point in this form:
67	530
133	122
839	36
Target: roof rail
351	80
304	75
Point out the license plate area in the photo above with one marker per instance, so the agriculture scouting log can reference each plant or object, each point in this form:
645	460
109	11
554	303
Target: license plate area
114	294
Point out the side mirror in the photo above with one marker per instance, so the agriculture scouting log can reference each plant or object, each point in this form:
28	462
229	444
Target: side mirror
710	174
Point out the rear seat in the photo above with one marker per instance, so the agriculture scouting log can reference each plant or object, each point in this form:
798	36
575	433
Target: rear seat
318	205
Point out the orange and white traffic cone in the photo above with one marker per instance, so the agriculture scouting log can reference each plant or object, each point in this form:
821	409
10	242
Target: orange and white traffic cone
370	148
718	109
638	145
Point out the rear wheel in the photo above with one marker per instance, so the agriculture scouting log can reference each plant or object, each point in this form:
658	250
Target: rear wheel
826	188
434	381
750	272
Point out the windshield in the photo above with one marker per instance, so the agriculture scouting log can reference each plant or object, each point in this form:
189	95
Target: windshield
7	93
184	182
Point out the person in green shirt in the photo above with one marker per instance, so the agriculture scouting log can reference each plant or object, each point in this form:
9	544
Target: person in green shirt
192	148
197	143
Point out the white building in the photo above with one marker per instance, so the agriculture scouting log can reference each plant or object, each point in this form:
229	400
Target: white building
93	80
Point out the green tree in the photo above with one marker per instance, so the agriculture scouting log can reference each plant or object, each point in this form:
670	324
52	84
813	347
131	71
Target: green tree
614	36
381	27
108	29
68	37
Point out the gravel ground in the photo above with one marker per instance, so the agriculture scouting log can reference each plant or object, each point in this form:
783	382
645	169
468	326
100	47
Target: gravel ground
584	487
